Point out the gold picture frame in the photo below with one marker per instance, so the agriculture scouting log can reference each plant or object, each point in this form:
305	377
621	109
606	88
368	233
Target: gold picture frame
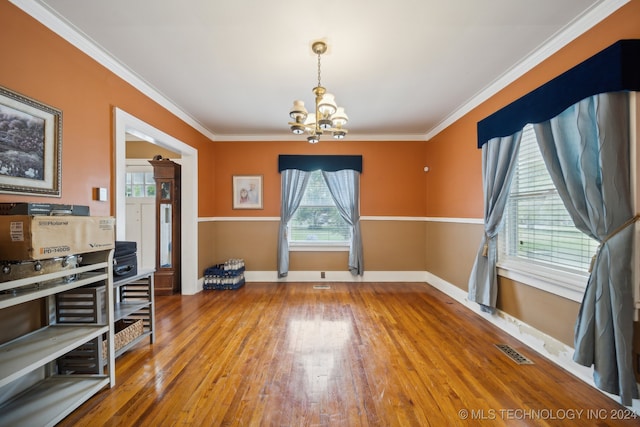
30	146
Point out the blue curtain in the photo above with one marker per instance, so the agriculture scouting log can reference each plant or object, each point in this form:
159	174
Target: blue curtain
314	162
344	186
614	69
587	152
292	185
498	164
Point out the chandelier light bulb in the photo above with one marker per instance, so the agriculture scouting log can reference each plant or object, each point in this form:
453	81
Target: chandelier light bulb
310	122
327	105
298	112
340	118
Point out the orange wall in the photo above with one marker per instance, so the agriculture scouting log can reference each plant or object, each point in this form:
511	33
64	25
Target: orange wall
48	69
42	66
454	184
392	181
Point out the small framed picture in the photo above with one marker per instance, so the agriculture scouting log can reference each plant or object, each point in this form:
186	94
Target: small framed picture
247	192
30	146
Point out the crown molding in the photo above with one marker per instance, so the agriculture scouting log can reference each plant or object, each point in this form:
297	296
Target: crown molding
50	19
560	39
285	137
42	13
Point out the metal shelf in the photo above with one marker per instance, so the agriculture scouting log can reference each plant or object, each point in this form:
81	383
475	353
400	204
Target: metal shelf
40	278
126	309
40	289
49	401
134	298
31	351
33	389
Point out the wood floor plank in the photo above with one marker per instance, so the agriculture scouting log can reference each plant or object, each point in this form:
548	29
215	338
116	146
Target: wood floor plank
356	354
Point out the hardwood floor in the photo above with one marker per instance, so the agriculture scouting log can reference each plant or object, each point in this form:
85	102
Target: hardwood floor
356	354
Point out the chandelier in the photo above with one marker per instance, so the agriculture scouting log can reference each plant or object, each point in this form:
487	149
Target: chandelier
328	116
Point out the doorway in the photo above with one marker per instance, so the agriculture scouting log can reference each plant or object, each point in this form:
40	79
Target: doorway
128	124
141	203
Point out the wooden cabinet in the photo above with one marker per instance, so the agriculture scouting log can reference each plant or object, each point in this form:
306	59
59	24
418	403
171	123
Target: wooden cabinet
36	387
167	176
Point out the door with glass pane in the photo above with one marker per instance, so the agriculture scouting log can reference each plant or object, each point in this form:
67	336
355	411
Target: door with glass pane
141	213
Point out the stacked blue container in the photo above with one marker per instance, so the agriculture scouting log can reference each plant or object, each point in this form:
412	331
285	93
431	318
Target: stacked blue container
229	275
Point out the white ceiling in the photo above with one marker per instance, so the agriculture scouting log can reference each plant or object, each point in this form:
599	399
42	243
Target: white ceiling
402	69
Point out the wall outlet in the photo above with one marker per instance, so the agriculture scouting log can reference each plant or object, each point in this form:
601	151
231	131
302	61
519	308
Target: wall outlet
322	276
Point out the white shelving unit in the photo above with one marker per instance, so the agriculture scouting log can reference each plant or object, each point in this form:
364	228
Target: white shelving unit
33	389
134	300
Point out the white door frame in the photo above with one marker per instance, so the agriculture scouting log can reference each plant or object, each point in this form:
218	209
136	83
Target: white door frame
126	123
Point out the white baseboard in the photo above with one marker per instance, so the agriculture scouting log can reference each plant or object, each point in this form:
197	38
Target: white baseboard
336	276
330	276
557	352
547	346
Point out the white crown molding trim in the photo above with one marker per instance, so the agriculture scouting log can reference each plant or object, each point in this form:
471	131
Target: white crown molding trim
50	19
286	137
54	22
560	39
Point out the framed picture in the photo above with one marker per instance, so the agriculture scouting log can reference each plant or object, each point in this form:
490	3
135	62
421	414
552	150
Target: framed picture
30	146
247	192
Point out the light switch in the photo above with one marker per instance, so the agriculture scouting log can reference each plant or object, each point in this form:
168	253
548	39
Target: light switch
101	194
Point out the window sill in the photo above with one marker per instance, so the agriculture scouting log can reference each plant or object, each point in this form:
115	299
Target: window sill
558	282
318	247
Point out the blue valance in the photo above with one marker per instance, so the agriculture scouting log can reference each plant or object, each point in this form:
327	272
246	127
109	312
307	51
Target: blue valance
327	163
616	68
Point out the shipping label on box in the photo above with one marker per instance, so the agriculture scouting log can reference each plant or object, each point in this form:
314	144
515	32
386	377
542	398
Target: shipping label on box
31	237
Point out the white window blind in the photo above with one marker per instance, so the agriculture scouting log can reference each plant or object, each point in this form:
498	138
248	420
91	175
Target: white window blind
317	220
538	228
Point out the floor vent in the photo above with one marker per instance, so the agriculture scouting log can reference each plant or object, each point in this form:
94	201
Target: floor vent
321	287
514	355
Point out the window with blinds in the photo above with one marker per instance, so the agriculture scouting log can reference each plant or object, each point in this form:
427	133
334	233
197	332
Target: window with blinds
317	220
538	228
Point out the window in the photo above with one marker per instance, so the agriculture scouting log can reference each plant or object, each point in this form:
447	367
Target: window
317	220
140	184
538	232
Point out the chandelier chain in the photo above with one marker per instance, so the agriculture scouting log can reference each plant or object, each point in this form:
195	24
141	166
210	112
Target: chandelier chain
319	85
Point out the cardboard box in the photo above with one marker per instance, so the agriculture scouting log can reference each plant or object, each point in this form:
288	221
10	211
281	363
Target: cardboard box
32	237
